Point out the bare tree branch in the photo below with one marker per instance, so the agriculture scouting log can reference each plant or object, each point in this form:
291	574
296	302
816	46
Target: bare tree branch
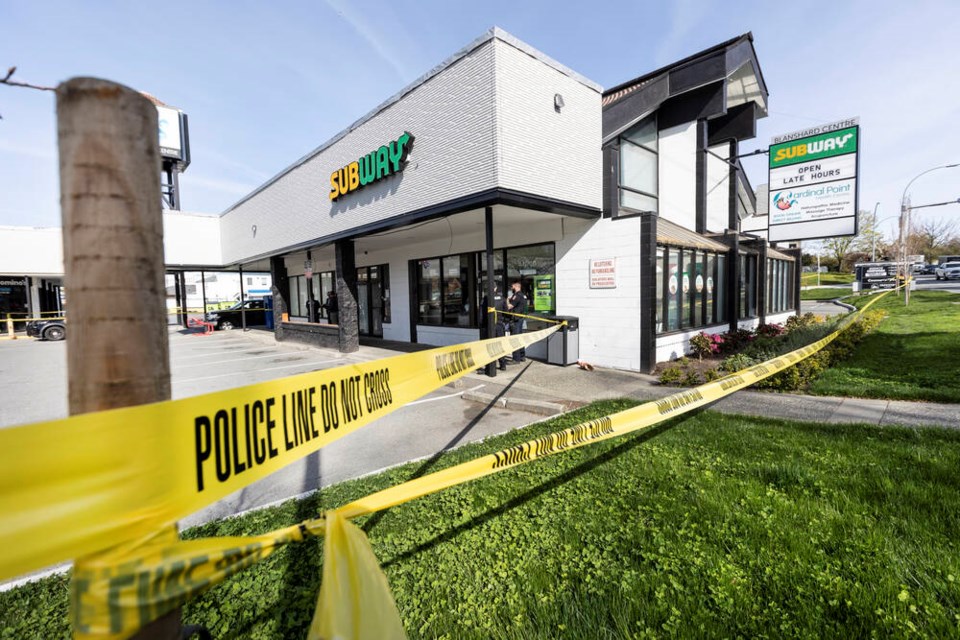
6	80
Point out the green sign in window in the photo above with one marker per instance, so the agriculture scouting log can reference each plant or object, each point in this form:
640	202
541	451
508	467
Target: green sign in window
543	293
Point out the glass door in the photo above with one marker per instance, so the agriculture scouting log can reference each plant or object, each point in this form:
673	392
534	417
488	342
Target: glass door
363	301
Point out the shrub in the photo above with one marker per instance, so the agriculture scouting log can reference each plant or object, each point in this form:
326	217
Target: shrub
805	321
736	340
737	362
770	330
672	375
706	344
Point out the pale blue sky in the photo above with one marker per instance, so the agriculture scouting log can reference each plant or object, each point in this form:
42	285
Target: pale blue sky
265	83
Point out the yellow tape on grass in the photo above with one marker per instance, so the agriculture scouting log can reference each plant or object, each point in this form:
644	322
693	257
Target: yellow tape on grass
90	482
343	603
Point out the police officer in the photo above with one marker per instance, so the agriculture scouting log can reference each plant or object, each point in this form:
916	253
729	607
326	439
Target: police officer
517	303
500	324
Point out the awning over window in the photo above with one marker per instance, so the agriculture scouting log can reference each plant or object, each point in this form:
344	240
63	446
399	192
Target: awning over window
676	236
773	253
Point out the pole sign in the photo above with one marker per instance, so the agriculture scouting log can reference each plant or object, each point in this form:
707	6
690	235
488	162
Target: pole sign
389	159
813	182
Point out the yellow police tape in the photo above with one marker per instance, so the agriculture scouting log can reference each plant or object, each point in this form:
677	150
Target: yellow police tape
89	482
117	592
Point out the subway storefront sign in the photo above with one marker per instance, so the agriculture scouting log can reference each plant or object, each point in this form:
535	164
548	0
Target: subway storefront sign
376	165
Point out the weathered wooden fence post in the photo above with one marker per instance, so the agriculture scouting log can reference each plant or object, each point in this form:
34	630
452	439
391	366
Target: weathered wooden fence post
117	353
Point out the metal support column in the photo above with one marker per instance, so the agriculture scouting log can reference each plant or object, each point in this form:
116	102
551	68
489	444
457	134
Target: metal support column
491	369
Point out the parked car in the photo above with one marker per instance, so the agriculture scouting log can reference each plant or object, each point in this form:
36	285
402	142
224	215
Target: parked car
227	319
928	269
948	271
47	329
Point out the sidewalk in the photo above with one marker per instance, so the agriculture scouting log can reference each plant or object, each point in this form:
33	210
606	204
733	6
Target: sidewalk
537	387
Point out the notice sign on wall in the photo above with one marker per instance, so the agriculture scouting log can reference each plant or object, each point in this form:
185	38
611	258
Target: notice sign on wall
813	182
603	273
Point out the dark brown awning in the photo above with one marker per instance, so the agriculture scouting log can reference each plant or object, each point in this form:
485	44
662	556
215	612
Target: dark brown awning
676	236
773	253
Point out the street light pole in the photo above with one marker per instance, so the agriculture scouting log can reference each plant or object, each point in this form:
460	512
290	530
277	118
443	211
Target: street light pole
873	252
904	217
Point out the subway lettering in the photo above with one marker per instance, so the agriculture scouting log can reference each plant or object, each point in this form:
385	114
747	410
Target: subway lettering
389	159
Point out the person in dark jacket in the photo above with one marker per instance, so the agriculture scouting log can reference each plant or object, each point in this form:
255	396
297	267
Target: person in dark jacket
500	325
332	307
517	303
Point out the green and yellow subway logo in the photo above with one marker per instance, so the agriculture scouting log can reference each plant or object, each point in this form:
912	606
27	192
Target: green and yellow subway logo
376	165
813	148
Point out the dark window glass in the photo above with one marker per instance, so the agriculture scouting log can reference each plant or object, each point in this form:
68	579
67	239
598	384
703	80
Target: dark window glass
659	303
720	289
686	286
673	290
428	291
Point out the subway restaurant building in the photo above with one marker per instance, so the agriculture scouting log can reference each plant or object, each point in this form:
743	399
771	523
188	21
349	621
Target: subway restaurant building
622	208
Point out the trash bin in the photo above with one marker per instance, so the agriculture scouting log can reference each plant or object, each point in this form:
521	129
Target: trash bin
563	347
268	313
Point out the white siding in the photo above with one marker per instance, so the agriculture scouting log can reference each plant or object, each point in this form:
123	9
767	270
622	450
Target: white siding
31	251
678	174
609	331
542	152
676	345
452	118
191	239
718	189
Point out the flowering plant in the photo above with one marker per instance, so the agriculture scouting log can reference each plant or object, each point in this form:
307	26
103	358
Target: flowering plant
705	344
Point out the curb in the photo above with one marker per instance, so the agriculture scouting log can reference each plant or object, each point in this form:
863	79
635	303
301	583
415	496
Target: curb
539	407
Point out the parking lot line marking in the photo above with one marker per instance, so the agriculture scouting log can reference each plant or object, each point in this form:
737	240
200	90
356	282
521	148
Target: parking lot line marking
176	360
234	373
274	352
446	397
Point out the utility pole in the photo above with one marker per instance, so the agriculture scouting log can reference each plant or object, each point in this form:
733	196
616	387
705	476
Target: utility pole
117	351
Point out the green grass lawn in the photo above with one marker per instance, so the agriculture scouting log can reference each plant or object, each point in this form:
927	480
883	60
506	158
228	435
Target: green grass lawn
913	354
824	293
710	526
832	277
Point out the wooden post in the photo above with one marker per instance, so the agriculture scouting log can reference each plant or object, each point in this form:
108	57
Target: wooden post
117	352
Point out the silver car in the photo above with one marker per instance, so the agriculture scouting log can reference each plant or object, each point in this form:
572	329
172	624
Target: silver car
948	271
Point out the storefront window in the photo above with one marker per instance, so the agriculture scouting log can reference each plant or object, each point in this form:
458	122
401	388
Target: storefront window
690	288
748	286
534	267
298	296
456	291
673	290
779	285
450	289
708	292
686	260
659	278
323	283
428	291
638	166
720	289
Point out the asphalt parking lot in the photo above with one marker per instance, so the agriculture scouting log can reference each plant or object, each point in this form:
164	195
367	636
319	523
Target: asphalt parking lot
33	384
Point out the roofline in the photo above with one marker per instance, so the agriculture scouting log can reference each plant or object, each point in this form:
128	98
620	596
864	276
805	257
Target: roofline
494	33
673	66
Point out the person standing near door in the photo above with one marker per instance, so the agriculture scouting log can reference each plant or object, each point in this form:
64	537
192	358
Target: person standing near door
517	303
332	307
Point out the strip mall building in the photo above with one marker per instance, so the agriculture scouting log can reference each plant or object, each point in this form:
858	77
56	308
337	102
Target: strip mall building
622	208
